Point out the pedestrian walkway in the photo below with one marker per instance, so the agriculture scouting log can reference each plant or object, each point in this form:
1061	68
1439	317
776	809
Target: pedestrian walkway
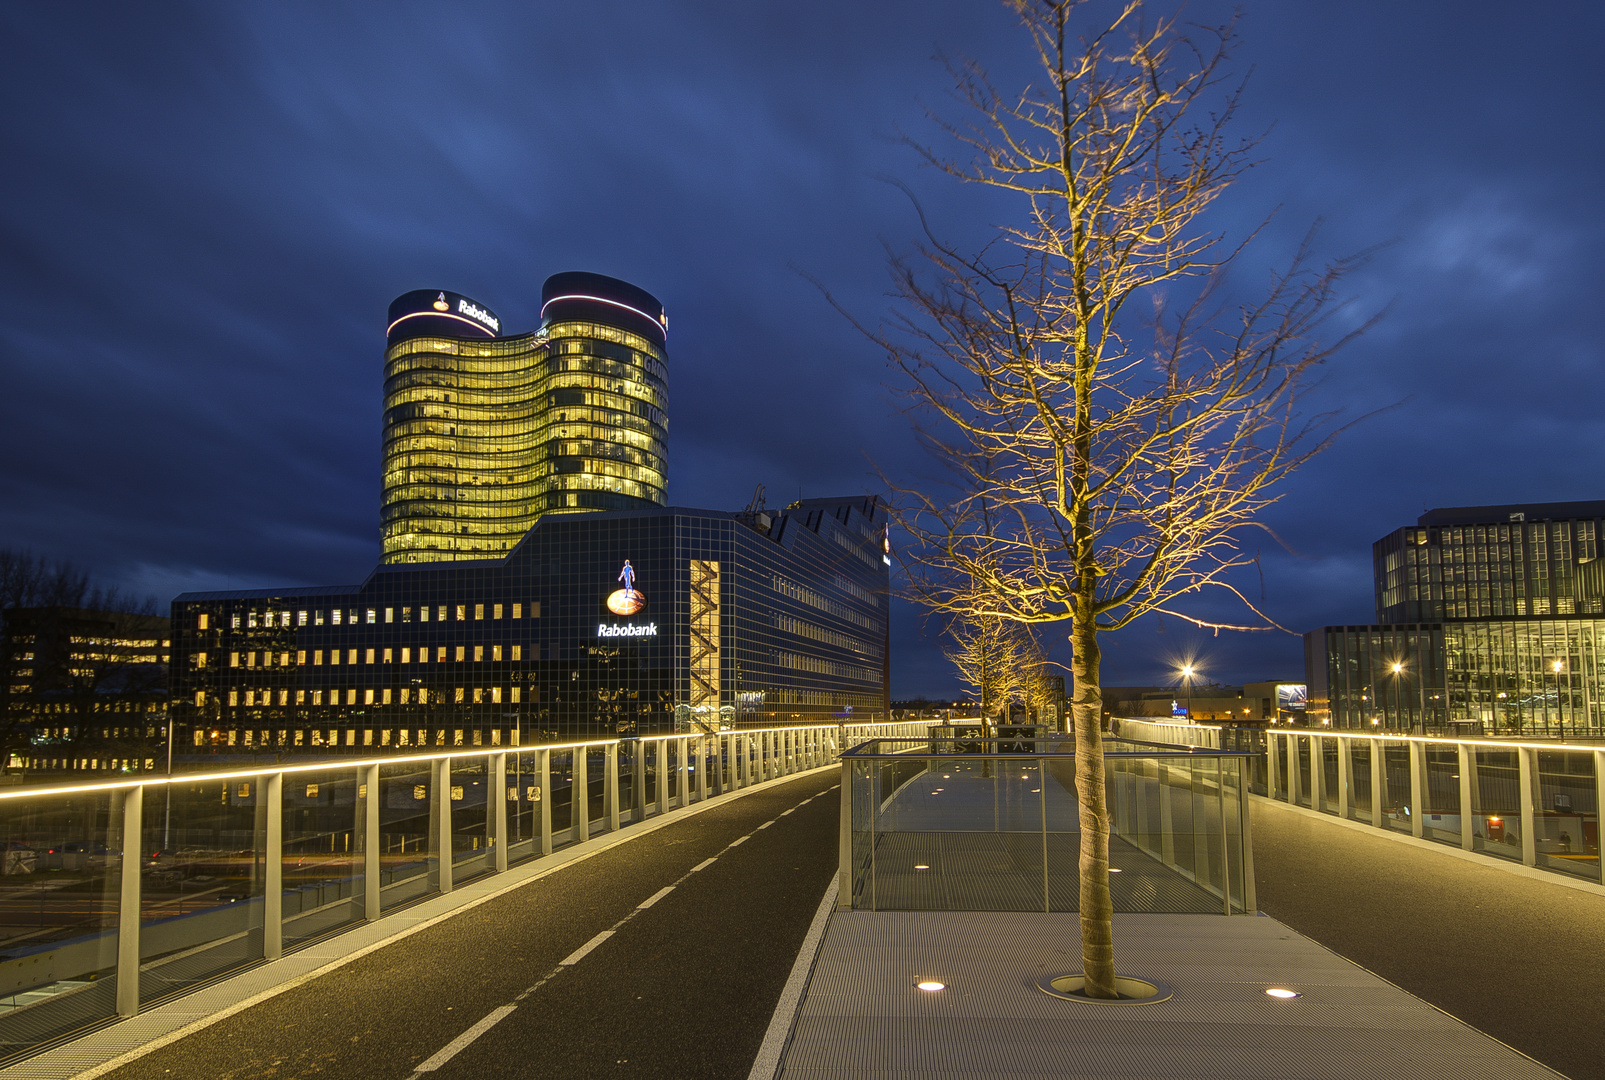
1515	955
865	1014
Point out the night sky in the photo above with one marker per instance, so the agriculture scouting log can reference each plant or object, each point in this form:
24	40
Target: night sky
204	211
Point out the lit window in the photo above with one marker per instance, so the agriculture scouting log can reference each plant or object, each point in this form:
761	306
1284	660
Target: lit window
317	697
300	657
496	695
200	698
384	698
479	653
423	613
301	618
406	655
495	652
518	652
406	614
440	613
312	791
384	737
390	614
496	612
284	659
201	622
423	695
234	622
351	656
368	657
373	616
406	695
300	697
459	695
518	611
461	651
440	654
250	697
250	659
233	659
335	616
367	697
317	617
351	697
284	697
462	612
516	693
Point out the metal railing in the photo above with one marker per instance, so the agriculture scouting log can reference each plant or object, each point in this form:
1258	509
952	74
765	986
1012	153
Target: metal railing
993	825
1533	803
117	894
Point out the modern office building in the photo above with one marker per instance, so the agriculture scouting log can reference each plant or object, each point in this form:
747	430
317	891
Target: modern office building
484	433
1489	619
616	622
533	583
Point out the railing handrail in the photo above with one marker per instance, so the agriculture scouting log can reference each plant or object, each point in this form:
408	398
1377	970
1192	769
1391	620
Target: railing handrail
860	752
1450	740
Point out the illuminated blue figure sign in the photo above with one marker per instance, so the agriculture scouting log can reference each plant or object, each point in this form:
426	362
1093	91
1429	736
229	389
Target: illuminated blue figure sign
628	600
627	575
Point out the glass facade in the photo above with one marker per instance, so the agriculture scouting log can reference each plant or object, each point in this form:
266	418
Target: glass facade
1489	620
483	434
741	620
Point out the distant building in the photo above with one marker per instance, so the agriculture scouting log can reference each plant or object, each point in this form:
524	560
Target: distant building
600	624
84	690
1489	619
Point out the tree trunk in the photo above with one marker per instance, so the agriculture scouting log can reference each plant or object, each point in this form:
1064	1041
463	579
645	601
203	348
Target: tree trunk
1097	909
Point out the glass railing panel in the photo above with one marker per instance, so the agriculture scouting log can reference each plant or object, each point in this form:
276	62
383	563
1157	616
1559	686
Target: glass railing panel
861	871
1566	818
628	793
1441	799
408	859
523	794
60	878
1496	797
1396	770
322	867
470	830
1361	795
203	871
561	795
1330	749
1305	789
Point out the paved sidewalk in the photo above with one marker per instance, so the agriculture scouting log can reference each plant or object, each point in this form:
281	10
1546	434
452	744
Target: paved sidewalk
1515	956
863	1016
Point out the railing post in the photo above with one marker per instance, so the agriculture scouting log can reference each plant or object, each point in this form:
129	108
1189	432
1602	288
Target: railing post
371	805
1167	819
580	794
270	788
128	904
1599	809
1196	819
1225	833
1273	765
1295	782
441	796
844	842
1345	762
701	742
682	762
498	816
1418	788
610	786
1317	774
543	770
660	789
1467	760
1528	760
1379	786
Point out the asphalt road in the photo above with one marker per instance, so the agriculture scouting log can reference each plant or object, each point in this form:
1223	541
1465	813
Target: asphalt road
677	947
1511	956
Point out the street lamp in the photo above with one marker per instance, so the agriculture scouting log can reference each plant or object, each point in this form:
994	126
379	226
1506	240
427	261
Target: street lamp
1187	680
1559	666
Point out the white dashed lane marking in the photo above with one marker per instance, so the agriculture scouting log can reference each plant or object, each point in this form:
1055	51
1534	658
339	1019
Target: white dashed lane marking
704	864
655	897
453	1048
579	954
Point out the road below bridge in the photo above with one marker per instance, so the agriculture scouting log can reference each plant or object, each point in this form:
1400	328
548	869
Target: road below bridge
660	957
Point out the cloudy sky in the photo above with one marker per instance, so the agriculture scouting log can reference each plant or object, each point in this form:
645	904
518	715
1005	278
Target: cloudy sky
204	211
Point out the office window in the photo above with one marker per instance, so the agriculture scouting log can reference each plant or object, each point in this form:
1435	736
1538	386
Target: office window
335	616
300	738
390	614
406	654
462	612
423	695
334	656
368	656
201	621
367	697
233	659
384	697
200	698
387	656
284	697
317	658
496	612
317	697
234	622
406	695
317	617
459	695
351	697
495	695
300	657
518	652
518	611
351	656
516	693
460	653
250	697
440	613
423	613
300	697
423	655
373	616
301	617
367	740
495	652
479	653
250	659
457	740
284	659
406	614
479	611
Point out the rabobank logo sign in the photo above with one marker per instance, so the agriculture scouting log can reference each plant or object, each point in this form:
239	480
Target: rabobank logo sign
614	630
467	307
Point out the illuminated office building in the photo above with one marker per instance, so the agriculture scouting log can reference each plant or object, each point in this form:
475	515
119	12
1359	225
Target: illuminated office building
484	433
1489	619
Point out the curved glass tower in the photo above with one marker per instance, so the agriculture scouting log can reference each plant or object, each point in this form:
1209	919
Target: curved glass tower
484	433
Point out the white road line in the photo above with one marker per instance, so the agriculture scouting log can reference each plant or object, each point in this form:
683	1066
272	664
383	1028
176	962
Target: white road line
451	1049
704	864
579	954
765	825
743	840
783	813
655	897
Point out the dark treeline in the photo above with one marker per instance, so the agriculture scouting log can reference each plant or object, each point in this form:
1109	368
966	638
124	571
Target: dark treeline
32	581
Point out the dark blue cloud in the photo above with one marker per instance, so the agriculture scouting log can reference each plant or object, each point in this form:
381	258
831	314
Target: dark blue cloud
205	209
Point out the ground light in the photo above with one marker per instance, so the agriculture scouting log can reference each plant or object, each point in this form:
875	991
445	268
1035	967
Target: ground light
922	866
931	985
1279	992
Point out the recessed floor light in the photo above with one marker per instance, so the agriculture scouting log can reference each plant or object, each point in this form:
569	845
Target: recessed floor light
922	866
1278	992
1115	870
931	985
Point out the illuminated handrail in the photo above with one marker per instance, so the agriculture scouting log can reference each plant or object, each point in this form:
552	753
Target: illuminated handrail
161	945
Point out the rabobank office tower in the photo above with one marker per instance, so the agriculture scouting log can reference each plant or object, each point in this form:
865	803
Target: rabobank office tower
534	583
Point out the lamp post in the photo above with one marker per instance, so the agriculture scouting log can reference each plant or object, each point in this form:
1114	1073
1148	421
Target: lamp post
1187	680
1559	666
1398	673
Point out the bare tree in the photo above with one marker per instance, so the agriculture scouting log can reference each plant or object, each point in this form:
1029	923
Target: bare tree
1111	423
992	656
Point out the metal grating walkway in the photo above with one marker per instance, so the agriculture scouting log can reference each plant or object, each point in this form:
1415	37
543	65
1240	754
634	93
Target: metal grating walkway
863	1017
